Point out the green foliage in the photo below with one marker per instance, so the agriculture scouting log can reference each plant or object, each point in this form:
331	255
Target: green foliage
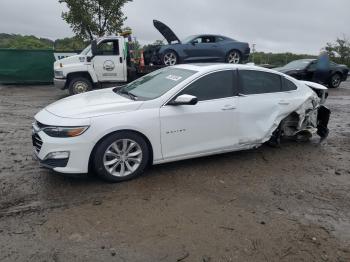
70	44
339	51
134	45
94	18
24	42
275	60
31	43
156	43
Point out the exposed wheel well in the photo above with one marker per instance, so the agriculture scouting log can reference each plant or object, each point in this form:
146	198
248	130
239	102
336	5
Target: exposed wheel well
71	76
149	145
337	73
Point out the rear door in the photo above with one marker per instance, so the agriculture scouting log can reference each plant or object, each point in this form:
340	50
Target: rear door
261	101
109	64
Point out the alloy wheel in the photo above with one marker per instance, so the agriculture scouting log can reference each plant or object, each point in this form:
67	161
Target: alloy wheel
234	58
122	158
336	80
170	59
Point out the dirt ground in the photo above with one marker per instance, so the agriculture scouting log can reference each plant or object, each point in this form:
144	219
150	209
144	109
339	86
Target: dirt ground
270	204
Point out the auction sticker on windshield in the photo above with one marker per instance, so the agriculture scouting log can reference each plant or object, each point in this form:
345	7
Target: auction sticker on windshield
174	77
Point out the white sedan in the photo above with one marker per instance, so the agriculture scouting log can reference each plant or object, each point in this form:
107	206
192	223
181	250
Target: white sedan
176	113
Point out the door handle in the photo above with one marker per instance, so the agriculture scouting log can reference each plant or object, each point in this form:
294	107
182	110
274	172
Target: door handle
228	107
121	60
284	103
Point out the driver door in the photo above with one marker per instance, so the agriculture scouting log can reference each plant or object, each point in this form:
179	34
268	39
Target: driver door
203	49
109	63
208	126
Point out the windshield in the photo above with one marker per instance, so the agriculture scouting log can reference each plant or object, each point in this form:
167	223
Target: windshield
86	50
298	64
156	83
188	39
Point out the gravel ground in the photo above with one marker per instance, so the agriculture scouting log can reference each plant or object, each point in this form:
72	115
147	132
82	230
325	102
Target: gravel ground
270	204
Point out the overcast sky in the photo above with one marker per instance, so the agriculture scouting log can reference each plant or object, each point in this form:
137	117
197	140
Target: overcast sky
301	26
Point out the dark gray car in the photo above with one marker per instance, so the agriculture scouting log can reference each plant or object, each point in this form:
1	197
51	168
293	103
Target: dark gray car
197	48
305	69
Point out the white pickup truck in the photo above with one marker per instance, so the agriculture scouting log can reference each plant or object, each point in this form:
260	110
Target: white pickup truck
105	60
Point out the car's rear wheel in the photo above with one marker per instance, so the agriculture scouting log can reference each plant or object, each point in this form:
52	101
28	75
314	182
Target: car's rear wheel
121	156
79	85
234	57
170	58
335	81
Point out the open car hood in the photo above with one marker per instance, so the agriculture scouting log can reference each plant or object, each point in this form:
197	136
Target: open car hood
168	34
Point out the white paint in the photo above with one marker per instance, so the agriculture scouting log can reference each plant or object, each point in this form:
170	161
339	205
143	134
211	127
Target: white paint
117	67
59	56
175	132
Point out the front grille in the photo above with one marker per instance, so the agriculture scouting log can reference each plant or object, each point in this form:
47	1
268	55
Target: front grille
37	142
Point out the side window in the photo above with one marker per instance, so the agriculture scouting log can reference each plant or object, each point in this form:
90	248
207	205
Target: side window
312	66
288	85
258	82
208	39
198	40
214	86
109	48
219	39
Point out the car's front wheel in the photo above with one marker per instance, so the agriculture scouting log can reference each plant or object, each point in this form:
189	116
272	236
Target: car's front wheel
121	156
335	81
234	57
170	58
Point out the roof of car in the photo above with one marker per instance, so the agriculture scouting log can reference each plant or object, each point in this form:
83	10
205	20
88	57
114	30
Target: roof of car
210	35
207	67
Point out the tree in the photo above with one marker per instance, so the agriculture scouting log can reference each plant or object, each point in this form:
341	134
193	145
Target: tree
14	41
94	18
340	50
70	44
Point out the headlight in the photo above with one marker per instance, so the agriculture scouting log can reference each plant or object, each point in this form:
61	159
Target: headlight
57	131
59	74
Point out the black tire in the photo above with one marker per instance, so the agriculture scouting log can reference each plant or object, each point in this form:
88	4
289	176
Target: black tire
79	85
335	81
170	58
234	57
100	157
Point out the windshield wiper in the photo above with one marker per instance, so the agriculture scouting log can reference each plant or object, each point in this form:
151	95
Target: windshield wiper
130	95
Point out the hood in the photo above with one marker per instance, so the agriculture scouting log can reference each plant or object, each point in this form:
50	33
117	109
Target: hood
93	104
287	71
283	70
70	60
277	69
168	34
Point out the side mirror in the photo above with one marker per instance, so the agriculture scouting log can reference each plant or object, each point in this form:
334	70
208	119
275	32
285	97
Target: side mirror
184	100
194	42
94	48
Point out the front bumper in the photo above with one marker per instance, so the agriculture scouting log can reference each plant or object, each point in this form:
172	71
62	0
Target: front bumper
79	153
60	83
50	163
79	148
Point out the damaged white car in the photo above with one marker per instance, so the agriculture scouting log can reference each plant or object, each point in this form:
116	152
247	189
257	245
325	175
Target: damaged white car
176	113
